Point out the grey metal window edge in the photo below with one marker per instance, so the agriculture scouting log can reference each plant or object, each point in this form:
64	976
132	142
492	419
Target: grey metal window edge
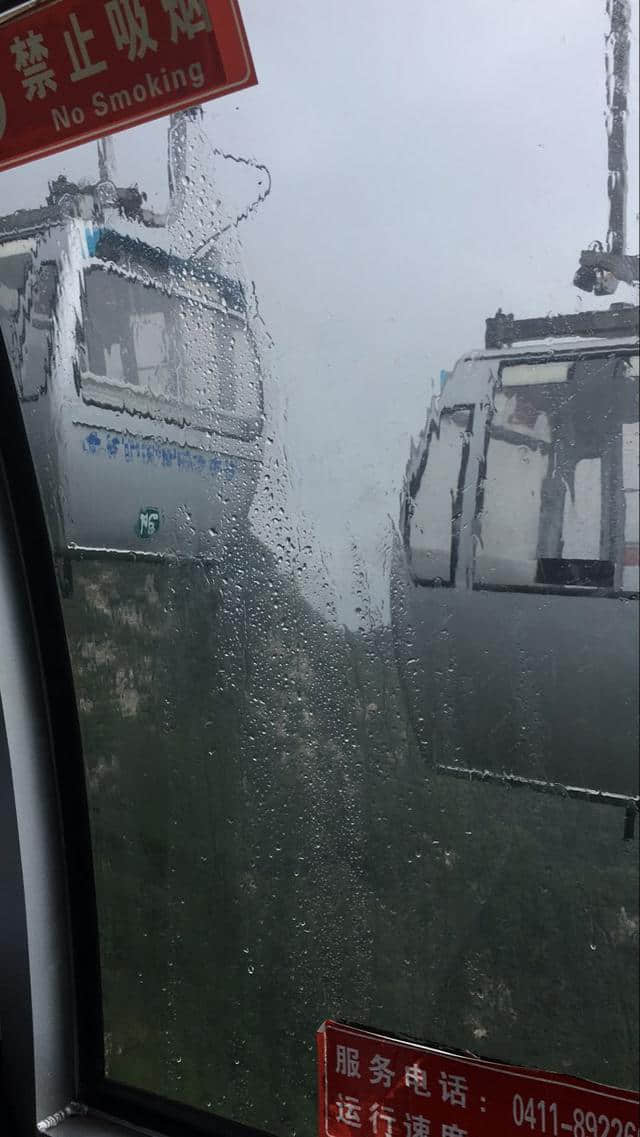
85	1125
36	1007
88	1125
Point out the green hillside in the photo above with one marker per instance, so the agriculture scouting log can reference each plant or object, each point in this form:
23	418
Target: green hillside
272	851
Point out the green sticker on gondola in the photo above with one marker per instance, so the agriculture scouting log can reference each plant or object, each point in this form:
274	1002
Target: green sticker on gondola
148	522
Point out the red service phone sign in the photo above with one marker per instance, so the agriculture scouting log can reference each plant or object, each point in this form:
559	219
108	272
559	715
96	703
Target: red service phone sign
376	1086
74	70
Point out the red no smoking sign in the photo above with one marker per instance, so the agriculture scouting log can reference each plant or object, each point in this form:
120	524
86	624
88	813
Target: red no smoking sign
376	1086
73	70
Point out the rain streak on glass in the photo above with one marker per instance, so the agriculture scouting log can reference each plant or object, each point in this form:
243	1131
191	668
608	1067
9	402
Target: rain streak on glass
332	389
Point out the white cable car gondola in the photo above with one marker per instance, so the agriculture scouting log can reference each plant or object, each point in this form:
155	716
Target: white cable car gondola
139	376
513	587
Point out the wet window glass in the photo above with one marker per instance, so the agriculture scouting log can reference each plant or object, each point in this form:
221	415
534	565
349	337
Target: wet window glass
567	468
433	508
130	343
332	389
517	465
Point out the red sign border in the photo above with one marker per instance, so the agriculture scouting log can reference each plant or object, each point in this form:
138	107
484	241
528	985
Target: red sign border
535	1075
232	40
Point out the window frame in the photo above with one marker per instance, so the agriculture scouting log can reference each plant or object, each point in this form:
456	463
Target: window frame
415	484
29	317
621	354
105	391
